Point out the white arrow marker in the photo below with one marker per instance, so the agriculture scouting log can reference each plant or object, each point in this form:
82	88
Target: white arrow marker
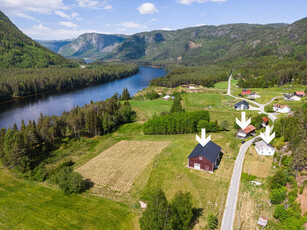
243	123
267	137
203	140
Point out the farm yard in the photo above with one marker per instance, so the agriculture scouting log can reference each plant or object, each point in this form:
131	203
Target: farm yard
117	167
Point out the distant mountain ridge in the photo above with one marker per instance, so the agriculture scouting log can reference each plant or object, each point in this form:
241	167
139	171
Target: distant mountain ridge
215	43
91	45
54	45
18	50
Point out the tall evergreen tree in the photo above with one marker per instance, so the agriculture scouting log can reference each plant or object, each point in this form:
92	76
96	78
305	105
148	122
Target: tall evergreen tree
125	94
177	107
181	211
155	216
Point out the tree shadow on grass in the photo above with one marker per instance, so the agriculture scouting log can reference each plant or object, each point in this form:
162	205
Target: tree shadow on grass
197	212
88	184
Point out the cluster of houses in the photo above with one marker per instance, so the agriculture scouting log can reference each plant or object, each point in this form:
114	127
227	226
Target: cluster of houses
208	157
250	94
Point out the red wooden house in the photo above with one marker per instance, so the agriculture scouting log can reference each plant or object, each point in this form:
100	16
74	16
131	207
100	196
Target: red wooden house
205	158
300	94
246	92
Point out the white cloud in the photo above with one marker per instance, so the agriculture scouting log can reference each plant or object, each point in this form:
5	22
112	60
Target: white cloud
23	15
108	7
62	14
75	15
147	8
153	20
166	28
89	3
200	24
39	6
94	4
42	32
68	24
131	25
40	27
189	2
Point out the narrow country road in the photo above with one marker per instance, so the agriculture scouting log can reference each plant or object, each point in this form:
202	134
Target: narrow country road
232	197
230	209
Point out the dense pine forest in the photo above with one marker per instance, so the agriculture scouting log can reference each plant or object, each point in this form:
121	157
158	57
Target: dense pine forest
26	150
17	82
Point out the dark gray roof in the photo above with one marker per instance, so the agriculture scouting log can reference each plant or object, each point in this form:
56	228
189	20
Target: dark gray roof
211	151
242	102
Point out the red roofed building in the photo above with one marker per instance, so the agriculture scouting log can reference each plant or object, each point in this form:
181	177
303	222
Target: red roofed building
248	131
300	94
265	121
246	92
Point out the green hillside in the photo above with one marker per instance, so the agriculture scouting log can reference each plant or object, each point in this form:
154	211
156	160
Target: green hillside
18	50
214	44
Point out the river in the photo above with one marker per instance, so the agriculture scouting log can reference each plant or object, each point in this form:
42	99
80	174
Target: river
54	103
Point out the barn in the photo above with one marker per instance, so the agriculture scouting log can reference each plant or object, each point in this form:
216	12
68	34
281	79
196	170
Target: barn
205	158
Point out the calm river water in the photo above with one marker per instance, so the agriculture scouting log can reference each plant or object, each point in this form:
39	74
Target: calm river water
29	108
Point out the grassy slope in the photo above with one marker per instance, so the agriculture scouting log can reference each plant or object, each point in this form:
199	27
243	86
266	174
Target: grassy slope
28	205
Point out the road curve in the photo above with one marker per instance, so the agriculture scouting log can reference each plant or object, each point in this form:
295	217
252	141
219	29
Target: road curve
261	106
230	209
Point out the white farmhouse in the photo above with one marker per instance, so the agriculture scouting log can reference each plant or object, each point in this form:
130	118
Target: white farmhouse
281	108
291	97
167	97
264	149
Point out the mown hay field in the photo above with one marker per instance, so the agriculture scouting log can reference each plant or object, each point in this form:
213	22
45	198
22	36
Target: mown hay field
117	167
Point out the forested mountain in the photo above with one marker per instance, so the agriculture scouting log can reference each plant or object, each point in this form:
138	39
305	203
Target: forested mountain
54	45
18	50
213	44
91	45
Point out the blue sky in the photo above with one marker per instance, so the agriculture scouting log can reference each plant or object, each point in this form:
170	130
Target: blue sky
64	19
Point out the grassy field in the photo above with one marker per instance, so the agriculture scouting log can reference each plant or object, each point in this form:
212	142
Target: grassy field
28	205
152	107
117	167
256	165
224	84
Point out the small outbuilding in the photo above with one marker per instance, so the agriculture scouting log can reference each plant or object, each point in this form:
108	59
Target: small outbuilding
265	121
262	221
205	158
248	131
264	149
166	97
241	105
